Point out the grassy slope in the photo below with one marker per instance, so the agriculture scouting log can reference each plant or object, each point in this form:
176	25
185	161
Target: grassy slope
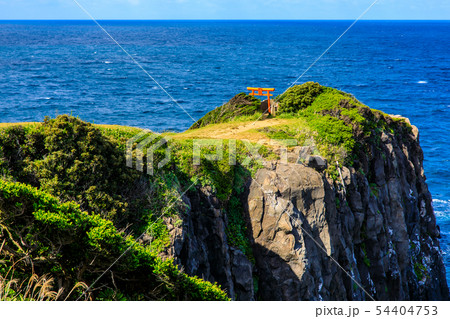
335	122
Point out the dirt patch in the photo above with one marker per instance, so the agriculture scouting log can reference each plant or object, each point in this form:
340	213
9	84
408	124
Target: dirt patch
233	130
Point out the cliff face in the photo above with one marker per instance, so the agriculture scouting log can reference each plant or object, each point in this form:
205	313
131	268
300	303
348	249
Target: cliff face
370	234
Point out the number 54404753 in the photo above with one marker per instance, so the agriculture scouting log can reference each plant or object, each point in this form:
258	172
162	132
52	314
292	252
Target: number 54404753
405	310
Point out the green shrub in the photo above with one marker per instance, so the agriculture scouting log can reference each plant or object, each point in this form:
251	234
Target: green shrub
74	161
73	245
298	97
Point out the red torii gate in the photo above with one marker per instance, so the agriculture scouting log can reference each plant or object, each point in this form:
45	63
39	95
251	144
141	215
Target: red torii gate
260	91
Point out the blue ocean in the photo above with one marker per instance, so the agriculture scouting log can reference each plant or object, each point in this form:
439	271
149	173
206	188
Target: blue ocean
73	67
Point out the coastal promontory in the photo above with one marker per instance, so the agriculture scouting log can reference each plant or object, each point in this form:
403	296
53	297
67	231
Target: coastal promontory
325	200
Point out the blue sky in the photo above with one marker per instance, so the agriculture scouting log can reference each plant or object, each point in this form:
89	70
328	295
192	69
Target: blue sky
224	9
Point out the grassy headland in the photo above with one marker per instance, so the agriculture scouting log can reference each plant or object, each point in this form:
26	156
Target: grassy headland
69	205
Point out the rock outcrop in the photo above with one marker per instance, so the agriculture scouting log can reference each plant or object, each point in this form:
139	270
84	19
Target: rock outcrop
200	247
371	234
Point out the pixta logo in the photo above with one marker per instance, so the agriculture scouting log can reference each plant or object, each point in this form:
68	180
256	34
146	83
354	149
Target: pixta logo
150	142
145	145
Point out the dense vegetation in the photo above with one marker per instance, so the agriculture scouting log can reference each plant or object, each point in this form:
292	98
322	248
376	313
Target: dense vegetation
299	97
341	127
69	207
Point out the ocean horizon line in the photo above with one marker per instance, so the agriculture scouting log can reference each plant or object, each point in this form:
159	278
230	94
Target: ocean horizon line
225	20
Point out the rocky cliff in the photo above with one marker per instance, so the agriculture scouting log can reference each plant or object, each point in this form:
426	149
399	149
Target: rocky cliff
369	233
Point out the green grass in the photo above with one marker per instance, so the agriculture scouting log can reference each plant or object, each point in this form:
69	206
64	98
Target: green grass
341	127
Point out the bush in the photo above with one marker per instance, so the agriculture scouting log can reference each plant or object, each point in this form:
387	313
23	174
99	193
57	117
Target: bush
74	161
298	97
73	245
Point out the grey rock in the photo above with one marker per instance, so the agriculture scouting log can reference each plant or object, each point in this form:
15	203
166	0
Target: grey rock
316	162
242	271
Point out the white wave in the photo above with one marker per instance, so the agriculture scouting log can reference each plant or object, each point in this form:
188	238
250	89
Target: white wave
441	201
442	209
108	62
441	216
422	82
